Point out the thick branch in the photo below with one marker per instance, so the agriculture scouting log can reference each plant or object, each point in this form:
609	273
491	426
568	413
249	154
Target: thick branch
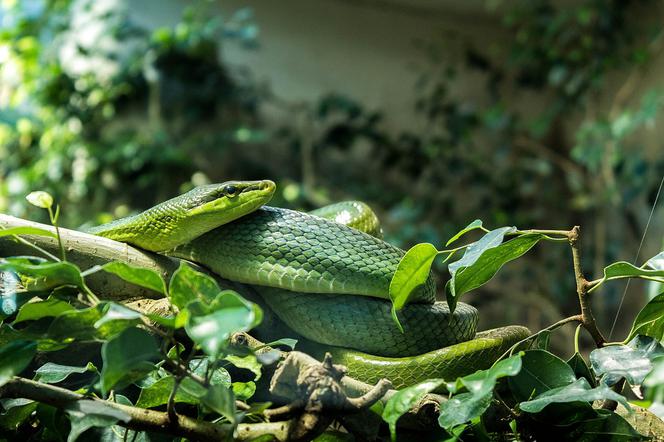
582	287
142	419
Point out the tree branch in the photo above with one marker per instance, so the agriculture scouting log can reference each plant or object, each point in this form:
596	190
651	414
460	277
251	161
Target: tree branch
142	419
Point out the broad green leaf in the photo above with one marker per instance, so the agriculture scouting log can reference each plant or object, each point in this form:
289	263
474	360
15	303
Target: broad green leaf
541	371
468	406
404	400
80	325
578	391
243	390
412	271
127	357
472	226
137	275
15	357
117	312
158	393
44	276
27	231
85	414
40	199
632	361
52	373
221	400
248	362
188	285
581	369
485	379
219	376
650	320
485	263
16	411
624	269
211	325
42	309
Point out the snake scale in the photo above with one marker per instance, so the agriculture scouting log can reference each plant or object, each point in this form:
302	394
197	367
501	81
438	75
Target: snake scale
325	274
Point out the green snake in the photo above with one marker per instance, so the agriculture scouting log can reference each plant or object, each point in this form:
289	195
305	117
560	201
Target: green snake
325	274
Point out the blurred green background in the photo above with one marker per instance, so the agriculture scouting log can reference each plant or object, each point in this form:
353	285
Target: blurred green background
535	113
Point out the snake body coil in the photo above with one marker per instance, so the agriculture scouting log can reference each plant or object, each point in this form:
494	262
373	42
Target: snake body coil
325	280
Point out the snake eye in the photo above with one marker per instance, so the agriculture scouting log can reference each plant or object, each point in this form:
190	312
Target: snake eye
230	190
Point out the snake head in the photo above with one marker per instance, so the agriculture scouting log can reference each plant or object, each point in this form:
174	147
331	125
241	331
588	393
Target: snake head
181	219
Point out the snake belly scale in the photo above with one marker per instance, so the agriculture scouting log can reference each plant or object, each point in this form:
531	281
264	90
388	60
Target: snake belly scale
327	281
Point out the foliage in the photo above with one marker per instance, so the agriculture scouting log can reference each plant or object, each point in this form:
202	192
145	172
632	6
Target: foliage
92	101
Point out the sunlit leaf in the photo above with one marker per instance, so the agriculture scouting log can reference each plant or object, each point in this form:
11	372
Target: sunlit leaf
158	393
624	269
632	361
40	199
117	312
127	357
210	325
487	257
578	391
189	285
404	400
413	271
650	320
42	309
44	276
472	226
244	390
139	276
465	407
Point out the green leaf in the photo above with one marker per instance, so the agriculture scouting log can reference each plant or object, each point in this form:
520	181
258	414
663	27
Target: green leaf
44	276
40	199
117	312
578	391
248	362
27	231
158	393
472	226
404	400
42	309
413	271
624	269
127	357
632	361
137	275
485	379
51	373
465	407
221	400
85	414
603	426
16	411
211	325
485	261
80	324
188	285
15	357
243	390
581	369
541	371
650	320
